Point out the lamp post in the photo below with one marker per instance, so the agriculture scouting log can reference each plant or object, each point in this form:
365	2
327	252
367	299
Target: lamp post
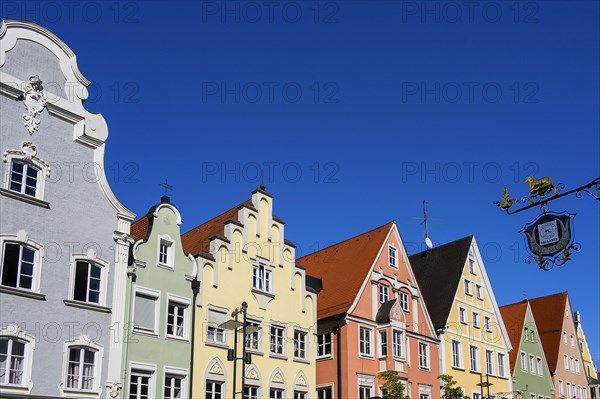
485	384
235	325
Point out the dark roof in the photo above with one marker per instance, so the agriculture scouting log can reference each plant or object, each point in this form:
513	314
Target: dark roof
313	282
513	316
549	313
140	227
438	272
383	314
343	268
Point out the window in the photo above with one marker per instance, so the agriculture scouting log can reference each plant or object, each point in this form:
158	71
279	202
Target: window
479	291
364	343
577	366
526	334
299	344
145	309
364	392
468	287
398	343
12	358
176	319
572	364
569	390
561	388
275	393
565	337
476	395
140	384
253	340
383	344
393	252
87	282
383	293
456	354
566	362
24	178
214	390
165	253
261	277
572	341
277	339
531	364
299	395
174	386
532	335
474	355
324	345
476	320
80	368
325	393
472	265
250	392
424	396
18	265
539	366
501	366
523	361
462	315
404	301
423	355
489	362
487	323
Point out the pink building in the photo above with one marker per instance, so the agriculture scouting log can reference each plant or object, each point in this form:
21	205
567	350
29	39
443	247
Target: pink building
371	318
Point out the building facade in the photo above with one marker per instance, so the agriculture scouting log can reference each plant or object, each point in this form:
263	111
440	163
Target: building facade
588	361
528	365
372	318
554	318
158	351
243	258
463	308
64	235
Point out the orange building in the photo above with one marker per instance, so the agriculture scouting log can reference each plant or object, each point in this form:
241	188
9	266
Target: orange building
371	318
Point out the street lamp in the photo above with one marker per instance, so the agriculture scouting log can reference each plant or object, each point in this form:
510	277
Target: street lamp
235	325
485	384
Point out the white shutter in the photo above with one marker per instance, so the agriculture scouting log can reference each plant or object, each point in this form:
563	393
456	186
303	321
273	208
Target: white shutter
216	318
145	311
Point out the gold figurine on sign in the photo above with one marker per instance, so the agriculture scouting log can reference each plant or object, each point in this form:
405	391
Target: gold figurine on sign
508	201
539	188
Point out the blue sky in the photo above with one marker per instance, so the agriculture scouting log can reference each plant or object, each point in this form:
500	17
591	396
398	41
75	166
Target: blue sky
357	112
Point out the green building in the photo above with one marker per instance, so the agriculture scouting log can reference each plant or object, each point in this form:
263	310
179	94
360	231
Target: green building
159	317
528	365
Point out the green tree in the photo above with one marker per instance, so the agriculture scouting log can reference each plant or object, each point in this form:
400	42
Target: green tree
393	386
451	391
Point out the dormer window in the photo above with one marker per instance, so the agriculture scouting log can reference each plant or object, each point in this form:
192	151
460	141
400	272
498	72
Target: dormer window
165	252
393	256
261	277
472	265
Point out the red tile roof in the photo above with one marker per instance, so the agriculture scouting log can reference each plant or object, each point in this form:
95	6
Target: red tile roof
139	228
343	268
198	239
514	318
549	312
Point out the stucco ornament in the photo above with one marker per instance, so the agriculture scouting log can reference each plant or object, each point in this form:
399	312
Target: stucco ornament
35	101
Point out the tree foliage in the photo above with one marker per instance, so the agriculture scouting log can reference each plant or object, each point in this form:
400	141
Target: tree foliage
451	391
393	386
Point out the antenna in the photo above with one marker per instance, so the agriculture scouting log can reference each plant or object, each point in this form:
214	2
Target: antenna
427	239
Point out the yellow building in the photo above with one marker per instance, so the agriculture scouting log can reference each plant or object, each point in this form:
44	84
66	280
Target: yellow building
474	342
242	256
588	362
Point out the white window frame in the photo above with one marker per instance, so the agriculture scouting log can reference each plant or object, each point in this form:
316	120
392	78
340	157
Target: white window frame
524	363
467	285
383	343
398	344
487	323
252	392
479	291
393	256
255	337
577	369
540	371
13	332
262	282
166	240
561	388
102	264
213	328
477	362
472	268
404	300
571	363
298	344
82	342
322	345
384	295
462	315
565	337
365	341
423	355
458	355
181	302
175	372
138	369
365	390
22	239
27	156
501	365
324	388
566	362
214	383
476	322
273	339
151	293
489	362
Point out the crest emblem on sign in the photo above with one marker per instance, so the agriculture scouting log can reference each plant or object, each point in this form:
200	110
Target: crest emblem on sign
550	239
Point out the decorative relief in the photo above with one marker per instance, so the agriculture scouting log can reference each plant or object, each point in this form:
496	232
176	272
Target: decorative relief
278	378
301	381
35	101
396	312
216	369
28	153
252	374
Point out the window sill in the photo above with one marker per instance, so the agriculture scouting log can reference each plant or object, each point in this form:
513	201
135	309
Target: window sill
165	266
176	338
366	356
255	352
8	388
326	357
458	368
25	198
216	344
88	306
424	368
300	360
147	333
21	292
278	356
81	393
265	293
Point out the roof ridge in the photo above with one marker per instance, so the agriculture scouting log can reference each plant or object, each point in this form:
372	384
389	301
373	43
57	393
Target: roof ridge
471	236
216	217
347	239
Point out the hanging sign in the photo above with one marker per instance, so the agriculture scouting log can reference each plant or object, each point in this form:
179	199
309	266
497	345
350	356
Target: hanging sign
550	238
